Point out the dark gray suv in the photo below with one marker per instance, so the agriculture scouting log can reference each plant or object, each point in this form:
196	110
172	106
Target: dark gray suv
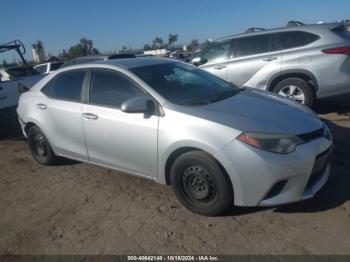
302	62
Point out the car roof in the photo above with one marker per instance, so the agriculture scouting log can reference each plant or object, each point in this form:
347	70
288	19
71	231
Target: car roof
128	63
308	28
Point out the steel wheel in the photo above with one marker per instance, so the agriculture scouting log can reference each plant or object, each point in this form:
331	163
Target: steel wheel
40	145
293	92
198	184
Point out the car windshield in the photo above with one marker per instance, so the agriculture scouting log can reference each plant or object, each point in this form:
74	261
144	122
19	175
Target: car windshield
184	84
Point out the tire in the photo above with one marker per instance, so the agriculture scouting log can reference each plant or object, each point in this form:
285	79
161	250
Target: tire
40	148
300	87
200	184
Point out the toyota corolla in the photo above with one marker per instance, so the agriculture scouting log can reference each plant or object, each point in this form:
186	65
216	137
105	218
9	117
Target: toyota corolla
215	143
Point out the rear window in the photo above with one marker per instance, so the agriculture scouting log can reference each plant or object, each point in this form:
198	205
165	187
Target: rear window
65	86
297	39
252	45
343	31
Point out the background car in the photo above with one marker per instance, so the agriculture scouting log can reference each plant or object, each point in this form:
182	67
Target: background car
301	62
165	120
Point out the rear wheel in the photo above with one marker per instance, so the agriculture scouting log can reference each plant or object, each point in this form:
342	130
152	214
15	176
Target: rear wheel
296	89
39	147
200	184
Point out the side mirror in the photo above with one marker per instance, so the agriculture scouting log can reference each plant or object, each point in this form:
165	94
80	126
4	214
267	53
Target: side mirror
197	61
138	105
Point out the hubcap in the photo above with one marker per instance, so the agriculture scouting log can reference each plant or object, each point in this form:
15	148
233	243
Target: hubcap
39	145
293	92
198	183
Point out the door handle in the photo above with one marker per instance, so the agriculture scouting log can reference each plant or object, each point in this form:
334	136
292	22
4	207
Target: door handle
90	116
42	106
269	58
219	67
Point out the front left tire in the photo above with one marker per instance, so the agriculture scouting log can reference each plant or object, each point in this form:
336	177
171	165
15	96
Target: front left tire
40	148
200	183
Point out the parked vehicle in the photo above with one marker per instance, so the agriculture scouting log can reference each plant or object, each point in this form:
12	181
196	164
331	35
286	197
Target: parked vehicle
16	77
301	62
165	120
95	58
48	67
180	54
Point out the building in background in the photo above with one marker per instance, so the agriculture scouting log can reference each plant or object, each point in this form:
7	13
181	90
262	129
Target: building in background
157	52
39	52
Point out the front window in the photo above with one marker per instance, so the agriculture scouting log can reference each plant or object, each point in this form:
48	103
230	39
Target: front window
109	88
217	52
184	84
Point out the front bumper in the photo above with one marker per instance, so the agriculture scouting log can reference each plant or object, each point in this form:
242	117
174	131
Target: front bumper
262	178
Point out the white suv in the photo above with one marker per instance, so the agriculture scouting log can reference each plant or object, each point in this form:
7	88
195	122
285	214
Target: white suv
302	62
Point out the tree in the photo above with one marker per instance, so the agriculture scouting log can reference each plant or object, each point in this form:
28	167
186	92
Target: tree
158	43
193	45
84	48
147	47
171	40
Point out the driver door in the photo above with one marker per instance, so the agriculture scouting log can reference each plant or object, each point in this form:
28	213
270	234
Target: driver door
217	56
125	141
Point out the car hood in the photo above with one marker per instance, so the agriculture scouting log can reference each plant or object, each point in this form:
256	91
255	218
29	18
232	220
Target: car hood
258	111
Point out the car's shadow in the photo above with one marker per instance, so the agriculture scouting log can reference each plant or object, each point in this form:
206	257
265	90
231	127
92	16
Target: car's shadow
336	191
10	130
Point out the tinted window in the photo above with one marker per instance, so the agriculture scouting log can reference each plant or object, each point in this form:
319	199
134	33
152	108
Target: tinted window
111	88
185	84
296	39
66	86
216	52
252	45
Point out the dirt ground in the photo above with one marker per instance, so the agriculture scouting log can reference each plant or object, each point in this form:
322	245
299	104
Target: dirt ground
78	208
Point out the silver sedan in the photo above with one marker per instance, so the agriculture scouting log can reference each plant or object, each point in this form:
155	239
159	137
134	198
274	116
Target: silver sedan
215	143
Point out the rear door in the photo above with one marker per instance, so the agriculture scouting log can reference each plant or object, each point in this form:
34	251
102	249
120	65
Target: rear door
216	56
254	56
59	112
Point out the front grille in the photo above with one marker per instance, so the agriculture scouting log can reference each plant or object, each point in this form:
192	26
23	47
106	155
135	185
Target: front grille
319	168
311	135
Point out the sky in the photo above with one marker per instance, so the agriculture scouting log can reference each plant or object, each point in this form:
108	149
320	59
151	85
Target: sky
111	24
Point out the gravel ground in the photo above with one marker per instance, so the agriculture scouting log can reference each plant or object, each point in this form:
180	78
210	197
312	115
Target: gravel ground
79	208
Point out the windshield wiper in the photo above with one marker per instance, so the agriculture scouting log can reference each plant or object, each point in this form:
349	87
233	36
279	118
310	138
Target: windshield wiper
195	102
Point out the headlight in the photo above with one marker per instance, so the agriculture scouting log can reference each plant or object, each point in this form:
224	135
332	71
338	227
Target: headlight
277	143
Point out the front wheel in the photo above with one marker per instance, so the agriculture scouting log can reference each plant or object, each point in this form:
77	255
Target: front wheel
296	89
200	184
